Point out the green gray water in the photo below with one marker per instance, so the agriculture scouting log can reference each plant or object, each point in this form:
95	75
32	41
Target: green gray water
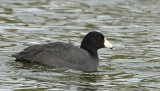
132	26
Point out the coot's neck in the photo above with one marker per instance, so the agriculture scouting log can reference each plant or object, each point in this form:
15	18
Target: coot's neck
90	49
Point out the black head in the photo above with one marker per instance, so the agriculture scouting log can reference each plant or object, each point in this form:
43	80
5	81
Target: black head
94	41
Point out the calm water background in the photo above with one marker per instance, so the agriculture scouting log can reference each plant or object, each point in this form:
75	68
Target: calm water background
132	26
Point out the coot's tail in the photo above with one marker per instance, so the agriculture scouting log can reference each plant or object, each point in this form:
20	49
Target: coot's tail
20	58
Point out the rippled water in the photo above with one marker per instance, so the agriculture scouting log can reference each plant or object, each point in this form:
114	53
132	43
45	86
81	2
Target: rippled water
132	26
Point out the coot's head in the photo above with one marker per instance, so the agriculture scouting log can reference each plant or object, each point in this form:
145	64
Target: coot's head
94	41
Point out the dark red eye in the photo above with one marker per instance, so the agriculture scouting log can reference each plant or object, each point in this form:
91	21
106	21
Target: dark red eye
99	38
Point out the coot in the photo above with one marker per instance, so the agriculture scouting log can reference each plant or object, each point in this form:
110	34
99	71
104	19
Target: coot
64	55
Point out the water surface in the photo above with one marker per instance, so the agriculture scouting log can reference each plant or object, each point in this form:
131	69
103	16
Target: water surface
132	26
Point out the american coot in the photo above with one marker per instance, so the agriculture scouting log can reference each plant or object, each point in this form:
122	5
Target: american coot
64	55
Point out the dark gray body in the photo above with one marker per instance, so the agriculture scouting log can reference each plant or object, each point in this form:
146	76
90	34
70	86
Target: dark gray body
59	55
